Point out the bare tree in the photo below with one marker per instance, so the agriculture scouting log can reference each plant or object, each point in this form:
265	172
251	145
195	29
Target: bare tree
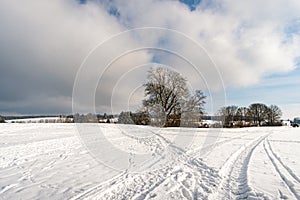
274	114
228	115
259	113
125	118
243	114
2	119
167	97
193	110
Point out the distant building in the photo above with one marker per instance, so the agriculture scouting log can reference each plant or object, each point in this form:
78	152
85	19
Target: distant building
286	122
294	123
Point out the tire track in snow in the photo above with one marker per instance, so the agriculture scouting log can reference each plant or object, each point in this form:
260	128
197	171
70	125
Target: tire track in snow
288	178
98	187
284	165
234	173
183	177
203	183
121	180
206	150
7	187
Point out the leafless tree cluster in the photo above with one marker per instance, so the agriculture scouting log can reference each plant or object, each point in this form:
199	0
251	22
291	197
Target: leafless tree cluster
2	119
168	100
138	118
257	114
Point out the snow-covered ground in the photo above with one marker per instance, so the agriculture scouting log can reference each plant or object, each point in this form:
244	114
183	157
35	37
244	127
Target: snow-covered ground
111	161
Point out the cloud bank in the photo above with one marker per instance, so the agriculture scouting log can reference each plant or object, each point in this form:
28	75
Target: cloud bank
44	43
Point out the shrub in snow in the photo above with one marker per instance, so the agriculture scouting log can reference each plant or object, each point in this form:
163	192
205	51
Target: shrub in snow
125	118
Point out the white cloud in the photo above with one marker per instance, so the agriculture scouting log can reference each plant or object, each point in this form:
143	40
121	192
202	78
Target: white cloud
246	37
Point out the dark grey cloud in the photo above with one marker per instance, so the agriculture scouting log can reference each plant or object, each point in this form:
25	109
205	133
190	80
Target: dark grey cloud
42	47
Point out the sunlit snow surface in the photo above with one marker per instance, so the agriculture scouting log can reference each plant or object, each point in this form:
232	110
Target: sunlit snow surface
64	161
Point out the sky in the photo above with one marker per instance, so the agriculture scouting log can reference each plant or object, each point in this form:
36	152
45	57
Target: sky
70	56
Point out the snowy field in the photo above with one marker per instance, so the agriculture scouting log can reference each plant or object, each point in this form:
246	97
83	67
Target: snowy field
65	161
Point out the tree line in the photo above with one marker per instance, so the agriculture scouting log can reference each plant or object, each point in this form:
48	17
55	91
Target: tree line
257	114
168	102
